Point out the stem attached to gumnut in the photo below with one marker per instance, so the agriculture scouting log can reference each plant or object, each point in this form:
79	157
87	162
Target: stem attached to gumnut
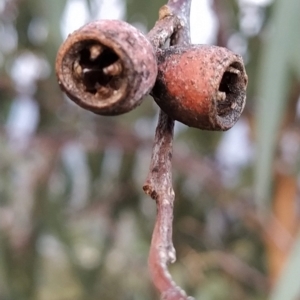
173	24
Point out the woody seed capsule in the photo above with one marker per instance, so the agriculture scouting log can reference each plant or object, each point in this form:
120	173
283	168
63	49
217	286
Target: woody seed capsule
107	67
201	86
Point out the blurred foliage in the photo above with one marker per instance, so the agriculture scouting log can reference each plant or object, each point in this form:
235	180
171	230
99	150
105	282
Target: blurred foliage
74	222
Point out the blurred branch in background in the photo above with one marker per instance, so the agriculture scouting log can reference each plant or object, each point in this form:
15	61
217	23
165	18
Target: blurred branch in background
73	217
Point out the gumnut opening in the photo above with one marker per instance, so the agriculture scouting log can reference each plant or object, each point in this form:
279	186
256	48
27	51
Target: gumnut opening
201	86
106	66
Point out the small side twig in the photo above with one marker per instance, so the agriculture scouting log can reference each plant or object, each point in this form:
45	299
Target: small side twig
164	28
181	8
173	23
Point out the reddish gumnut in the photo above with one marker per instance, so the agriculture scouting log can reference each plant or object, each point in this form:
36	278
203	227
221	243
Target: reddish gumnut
201	86
106	66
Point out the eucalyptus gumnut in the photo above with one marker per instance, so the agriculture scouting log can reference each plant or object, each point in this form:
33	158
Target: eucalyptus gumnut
106	66
201	86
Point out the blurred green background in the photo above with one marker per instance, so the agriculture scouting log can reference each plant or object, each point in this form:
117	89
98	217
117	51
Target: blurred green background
74	222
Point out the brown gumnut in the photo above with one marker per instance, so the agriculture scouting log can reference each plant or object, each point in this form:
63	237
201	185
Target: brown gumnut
106	66
201	86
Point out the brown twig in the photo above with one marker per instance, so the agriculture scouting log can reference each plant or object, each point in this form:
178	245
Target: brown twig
159	186
173	23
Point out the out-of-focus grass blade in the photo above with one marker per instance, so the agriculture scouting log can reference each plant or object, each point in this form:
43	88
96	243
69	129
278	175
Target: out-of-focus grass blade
288	287
273	89
296	56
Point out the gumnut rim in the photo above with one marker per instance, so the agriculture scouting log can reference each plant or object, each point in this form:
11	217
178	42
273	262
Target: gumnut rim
201	86
106	66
